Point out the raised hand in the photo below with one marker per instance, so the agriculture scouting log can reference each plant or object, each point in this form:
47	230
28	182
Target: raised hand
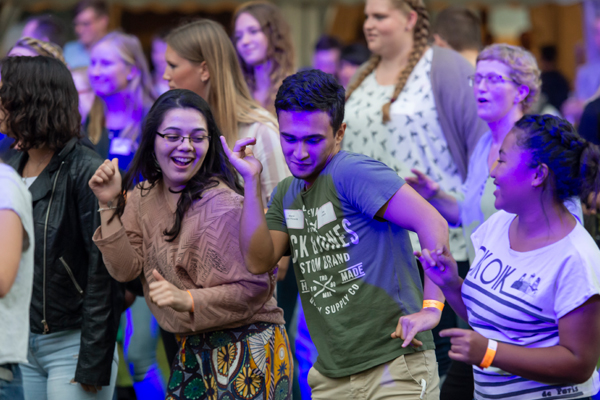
409	325
106	182
164	294
439	266
423	184
467	346
242	159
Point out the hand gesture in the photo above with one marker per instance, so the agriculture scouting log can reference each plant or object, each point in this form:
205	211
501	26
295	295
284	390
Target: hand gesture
165	294
410	325
242	158
440	266
467	346
423	184
106	182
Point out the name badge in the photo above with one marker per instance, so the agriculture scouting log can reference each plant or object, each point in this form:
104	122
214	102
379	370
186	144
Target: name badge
294	219
325	215
120	146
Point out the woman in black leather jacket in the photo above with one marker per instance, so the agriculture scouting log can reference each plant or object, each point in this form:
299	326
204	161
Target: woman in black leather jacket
76	305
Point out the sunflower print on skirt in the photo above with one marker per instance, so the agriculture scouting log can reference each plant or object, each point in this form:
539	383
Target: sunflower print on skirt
246	363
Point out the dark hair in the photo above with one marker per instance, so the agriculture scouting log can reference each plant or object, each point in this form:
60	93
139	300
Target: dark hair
553	141
99	6
144	166
40	102
355	53
548	53
460	27
327	42
50	27
312	90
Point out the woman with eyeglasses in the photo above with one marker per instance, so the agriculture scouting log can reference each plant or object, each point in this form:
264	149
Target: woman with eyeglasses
178	230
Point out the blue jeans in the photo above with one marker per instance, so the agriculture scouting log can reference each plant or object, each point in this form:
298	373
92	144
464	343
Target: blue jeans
139	348
51	369
12	390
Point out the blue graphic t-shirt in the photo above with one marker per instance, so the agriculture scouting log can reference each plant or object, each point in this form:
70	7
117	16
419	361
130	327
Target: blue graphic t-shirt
518	297
356	273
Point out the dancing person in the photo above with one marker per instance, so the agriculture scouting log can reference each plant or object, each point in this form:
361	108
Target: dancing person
536	316
16	279
91	24
75	306
344	217
201	58
122	83
410	106
263	41
187	210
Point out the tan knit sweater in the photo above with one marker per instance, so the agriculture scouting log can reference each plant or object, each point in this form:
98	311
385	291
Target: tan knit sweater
205	258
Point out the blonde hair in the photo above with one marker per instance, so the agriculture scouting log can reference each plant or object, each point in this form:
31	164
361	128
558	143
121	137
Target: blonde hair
280	51
228	95
139	89
523	68
420	43
41	48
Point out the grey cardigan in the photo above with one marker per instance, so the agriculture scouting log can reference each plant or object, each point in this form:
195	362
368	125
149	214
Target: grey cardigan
455	105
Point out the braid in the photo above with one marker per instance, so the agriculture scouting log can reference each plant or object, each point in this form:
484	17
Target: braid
365	71
421	40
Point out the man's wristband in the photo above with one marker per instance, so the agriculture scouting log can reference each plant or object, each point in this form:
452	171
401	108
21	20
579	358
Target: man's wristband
433	304
490	353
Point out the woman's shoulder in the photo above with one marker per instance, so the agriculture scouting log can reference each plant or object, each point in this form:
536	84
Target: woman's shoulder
221	199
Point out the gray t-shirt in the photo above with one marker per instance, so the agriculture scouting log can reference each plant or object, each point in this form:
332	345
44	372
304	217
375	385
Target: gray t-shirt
14	307
356	272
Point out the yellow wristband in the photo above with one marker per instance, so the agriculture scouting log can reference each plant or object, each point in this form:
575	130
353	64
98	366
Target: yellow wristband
192	310
490	353
433	304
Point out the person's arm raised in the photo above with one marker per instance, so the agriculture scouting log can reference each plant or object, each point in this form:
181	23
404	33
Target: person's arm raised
261	247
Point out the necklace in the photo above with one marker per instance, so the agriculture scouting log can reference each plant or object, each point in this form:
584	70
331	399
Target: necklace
24	177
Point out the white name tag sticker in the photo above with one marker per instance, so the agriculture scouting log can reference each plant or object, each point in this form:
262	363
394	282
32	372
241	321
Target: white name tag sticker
325	215
294	219
120	146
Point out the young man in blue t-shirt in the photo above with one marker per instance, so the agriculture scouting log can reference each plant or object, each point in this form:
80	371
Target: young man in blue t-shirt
344	218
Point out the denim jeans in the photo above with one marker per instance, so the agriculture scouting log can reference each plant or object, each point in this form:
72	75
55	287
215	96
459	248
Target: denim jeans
51	369
12	390
139	348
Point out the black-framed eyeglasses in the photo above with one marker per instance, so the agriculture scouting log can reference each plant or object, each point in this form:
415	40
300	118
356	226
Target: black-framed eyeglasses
492	79
175	138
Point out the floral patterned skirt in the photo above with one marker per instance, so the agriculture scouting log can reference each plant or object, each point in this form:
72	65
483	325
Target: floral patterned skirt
249	362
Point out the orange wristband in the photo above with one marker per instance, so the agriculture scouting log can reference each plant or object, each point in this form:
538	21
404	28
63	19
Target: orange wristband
433	304
192	310
490	353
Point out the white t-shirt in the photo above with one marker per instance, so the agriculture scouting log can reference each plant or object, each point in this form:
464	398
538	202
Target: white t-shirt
412	139
518	297
14	307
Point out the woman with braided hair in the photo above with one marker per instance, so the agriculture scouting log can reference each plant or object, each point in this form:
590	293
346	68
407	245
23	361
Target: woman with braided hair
410	106
532	294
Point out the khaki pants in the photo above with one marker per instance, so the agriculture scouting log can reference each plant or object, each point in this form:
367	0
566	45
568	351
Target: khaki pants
398	379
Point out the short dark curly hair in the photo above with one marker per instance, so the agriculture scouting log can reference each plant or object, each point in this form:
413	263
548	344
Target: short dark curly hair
39	102
312	90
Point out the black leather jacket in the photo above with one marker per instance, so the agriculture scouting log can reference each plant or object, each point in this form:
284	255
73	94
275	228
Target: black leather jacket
72	288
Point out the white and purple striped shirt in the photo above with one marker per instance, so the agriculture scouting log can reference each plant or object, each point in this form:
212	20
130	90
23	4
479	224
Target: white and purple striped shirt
518	298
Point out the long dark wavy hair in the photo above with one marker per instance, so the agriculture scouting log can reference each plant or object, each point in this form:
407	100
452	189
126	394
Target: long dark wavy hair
39	102
214	169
